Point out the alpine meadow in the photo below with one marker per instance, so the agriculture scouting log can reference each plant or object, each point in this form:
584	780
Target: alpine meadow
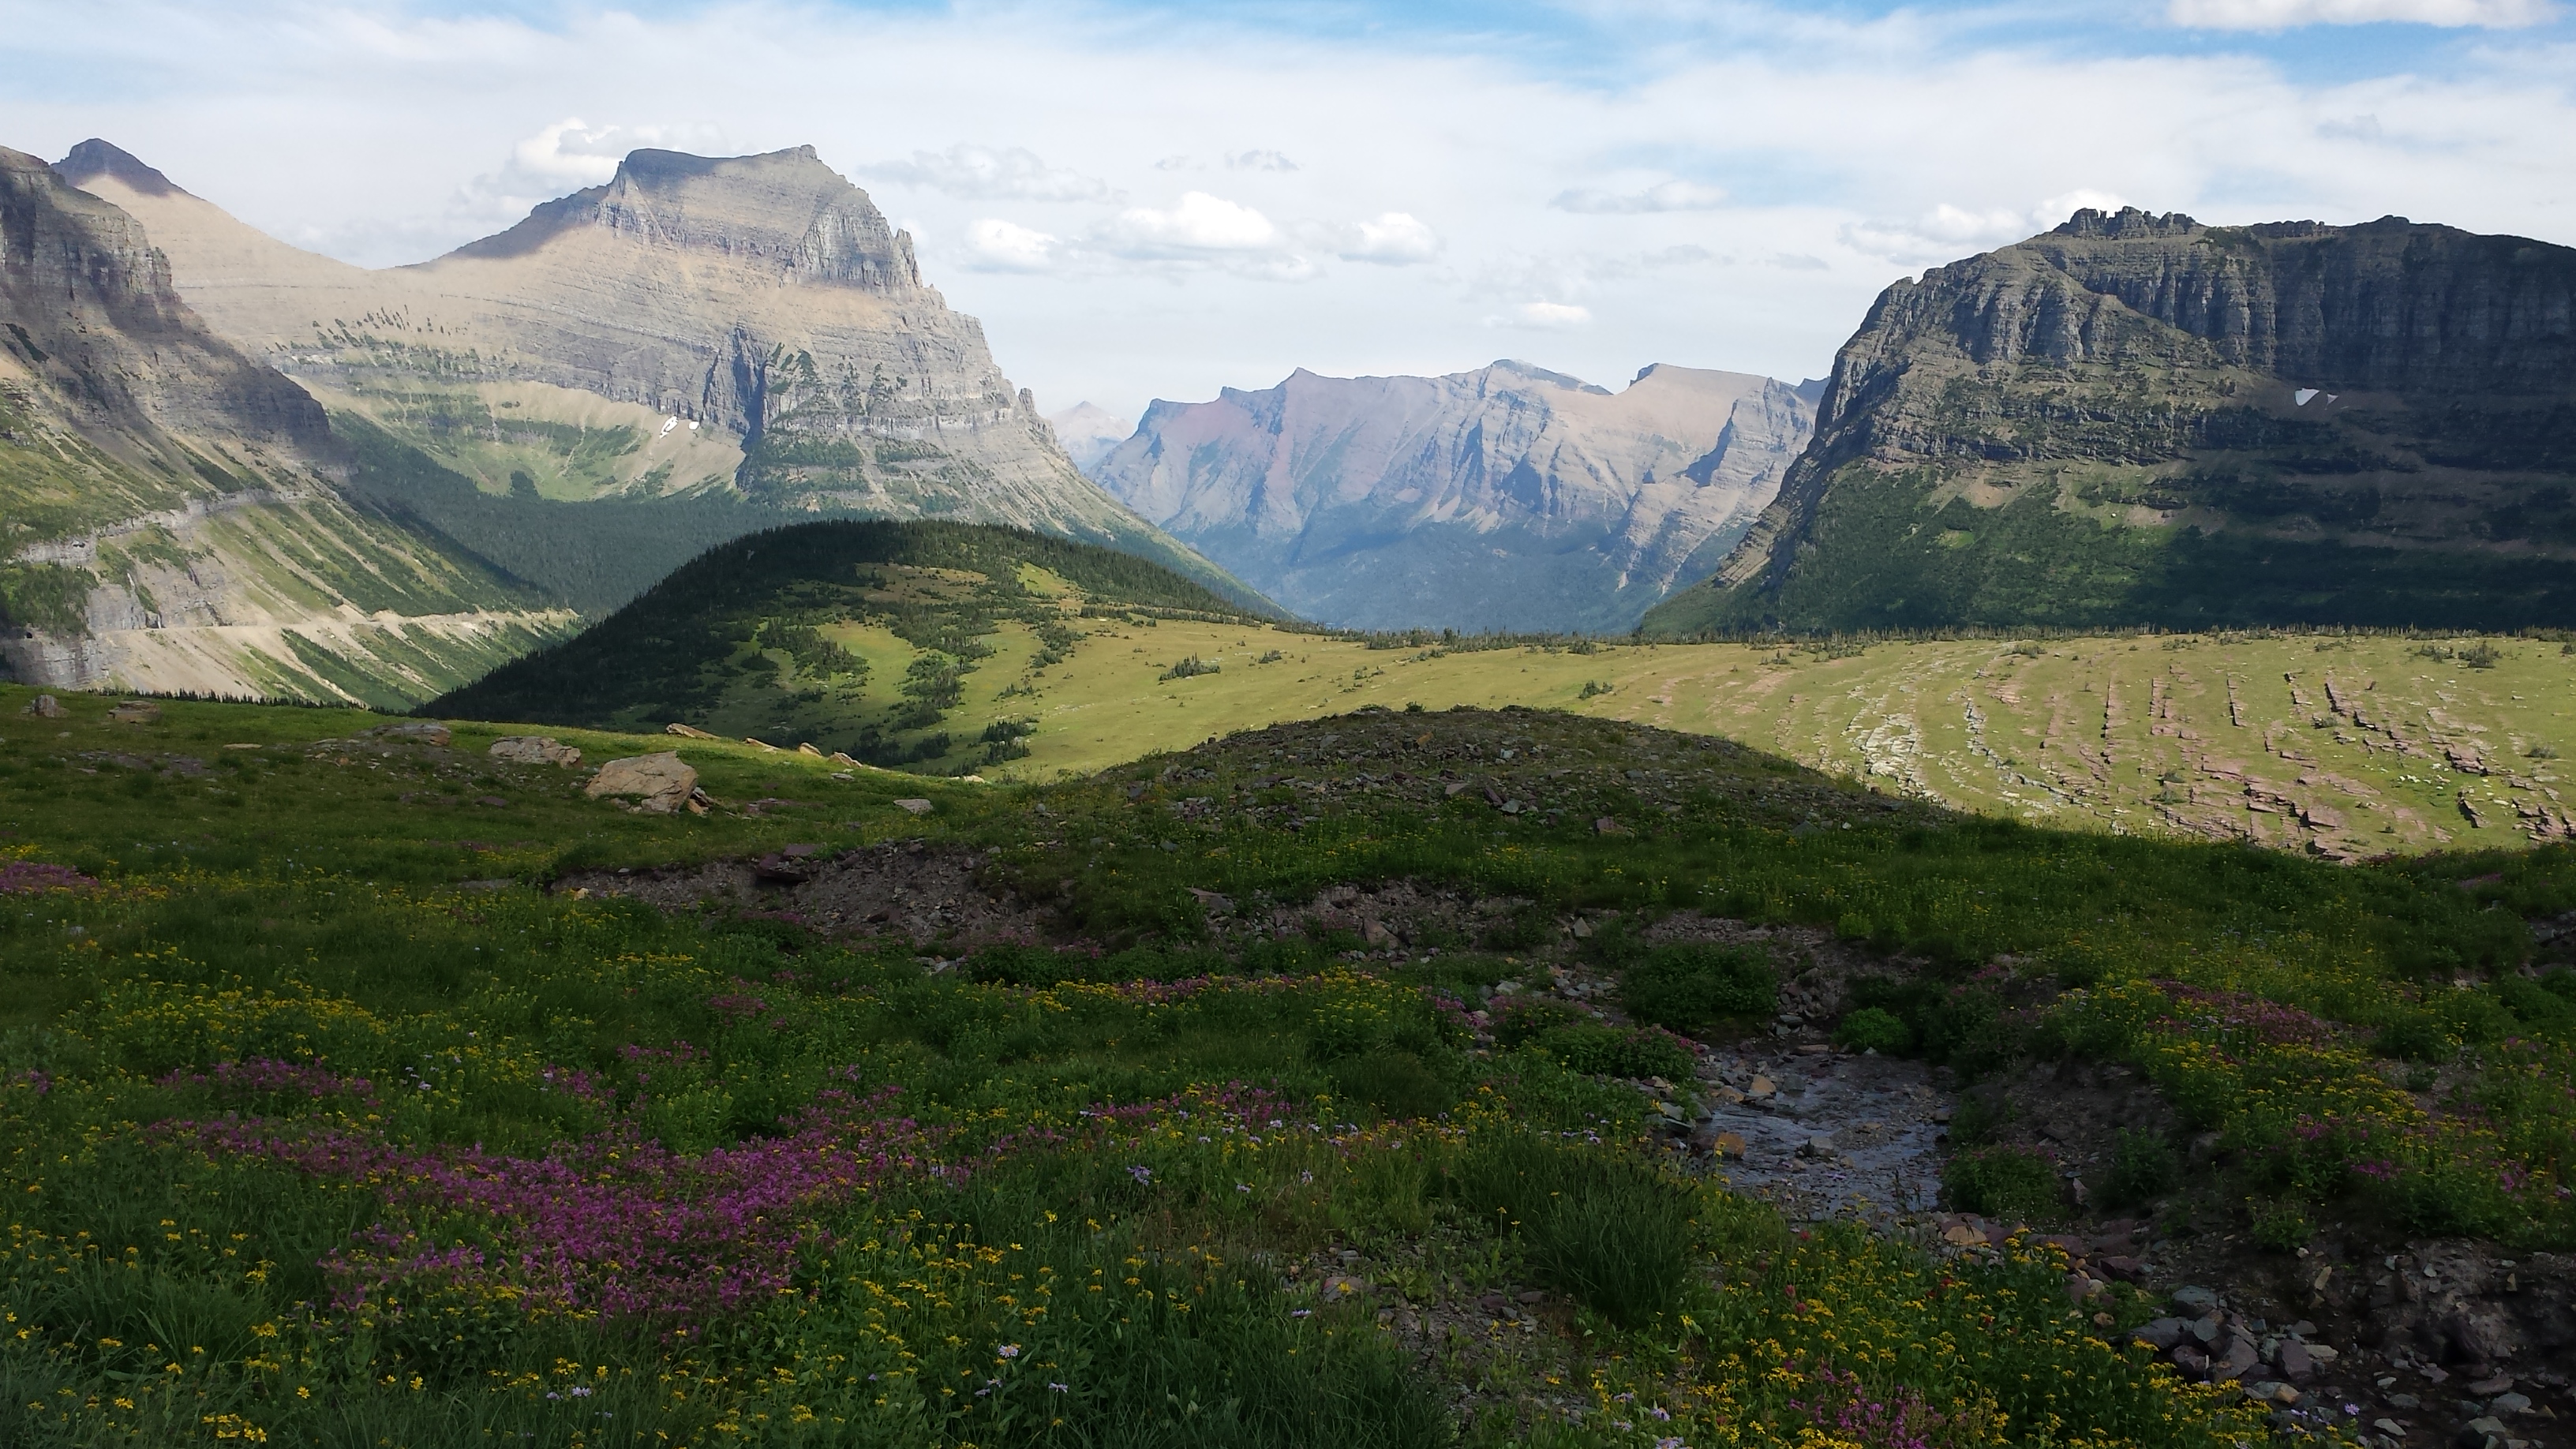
1735	757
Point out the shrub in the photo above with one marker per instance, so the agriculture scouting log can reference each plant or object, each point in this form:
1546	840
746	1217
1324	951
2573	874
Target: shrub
2002	1182
1190	667
1695	988
1874	1029
2143	1168
2281	1224
1604	1227
2415	1037
1592	1047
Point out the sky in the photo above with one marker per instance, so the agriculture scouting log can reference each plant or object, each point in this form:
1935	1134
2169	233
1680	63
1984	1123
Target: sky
1145	200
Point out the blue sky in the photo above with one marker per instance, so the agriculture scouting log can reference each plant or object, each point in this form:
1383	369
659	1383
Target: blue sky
1155	200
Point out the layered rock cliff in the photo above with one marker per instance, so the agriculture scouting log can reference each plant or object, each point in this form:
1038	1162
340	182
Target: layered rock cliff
1505	498
2141	419
169	515
750	325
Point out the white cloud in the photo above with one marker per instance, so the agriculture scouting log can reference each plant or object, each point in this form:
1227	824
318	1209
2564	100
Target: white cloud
996	245
1259	161
1544	317
984	174
1197	224
1829	132
1947	232
555	160
1662	196
1394	239
2289	14
568	151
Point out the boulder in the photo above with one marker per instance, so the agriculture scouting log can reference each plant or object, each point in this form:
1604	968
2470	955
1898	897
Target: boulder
424	733
2294	1361
535	750
46	707
913	807
687	732
136	711
2160	1334
660	783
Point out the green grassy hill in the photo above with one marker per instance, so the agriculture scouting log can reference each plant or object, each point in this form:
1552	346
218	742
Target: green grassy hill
2346	745
854	636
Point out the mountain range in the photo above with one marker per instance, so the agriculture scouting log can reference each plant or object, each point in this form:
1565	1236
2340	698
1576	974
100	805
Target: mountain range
1507	498
730	340
171	510
2139	419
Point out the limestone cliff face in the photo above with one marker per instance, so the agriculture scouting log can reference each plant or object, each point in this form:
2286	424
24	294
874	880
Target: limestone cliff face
770	330
168	514
96	327
1504	498
2283	423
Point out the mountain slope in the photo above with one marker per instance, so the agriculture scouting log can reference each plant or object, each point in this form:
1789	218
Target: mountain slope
1504	498
2140	419
748	325
168	514
854	634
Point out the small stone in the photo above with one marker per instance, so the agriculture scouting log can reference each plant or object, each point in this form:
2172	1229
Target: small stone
2195	1298
2293	1360
1730	1144
136	711
687	732
2477	1432
1760	1089
1534	1296
2503	1404
1960	1235
2484	1387
1343	1285
1607	826
2390	1427
916	807
1375	935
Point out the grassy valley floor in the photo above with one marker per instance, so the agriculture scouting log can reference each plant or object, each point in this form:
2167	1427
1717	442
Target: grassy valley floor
2350	746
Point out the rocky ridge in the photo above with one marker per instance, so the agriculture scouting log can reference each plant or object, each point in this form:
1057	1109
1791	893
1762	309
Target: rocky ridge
169	508
1504	498
763	326
2193	425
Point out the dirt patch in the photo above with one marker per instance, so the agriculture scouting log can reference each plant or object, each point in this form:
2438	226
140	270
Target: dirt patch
919	892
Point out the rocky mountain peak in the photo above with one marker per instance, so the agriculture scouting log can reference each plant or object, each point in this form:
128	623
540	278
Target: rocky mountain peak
2128	221
1507	497
94	158
784	211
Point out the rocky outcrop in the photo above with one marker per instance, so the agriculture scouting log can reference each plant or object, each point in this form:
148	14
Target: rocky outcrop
1505	498
2184	424
759	304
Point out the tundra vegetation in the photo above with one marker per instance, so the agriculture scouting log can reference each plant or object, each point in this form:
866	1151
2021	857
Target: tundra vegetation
324	1121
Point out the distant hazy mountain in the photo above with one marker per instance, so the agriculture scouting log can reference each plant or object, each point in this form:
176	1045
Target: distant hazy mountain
1088	433
748	325
170	513
2141	419
1505	498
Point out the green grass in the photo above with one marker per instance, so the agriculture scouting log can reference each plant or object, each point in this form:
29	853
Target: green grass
280	1086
